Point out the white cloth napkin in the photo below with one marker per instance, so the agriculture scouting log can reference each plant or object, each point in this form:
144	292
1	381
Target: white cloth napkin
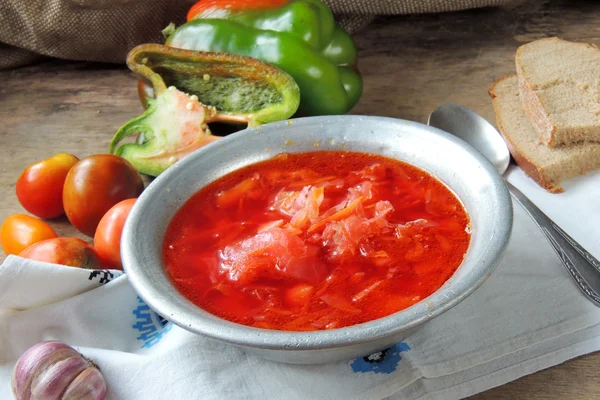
527	316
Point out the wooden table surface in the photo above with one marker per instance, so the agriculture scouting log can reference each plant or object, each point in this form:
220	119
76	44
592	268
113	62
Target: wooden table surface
410	65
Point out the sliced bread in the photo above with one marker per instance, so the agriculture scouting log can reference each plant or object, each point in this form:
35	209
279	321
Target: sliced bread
547	166
559	83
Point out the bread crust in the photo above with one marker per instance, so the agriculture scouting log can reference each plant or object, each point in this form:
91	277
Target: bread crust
534	109
527	165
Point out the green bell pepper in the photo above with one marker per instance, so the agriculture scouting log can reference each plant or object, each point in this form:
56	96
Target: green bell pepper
191	89
299	37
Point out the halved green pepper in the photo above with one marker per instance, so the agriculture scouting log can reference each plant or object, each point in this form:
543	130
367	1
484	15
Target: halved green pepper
192	89
298	36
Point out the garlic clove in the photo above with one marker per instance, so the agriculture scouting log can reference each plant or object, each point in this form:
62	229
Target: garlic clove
35	360
51	383
53	370
89	385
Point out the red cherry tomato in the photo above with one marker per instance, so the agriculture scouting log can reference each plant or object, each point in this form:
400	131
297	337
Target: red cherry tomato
20	231
69	251
94	185
107	240
40	186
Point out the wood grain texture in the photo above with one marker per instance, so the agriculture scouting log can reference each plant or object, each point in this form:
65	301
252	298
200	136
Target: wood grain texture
410	64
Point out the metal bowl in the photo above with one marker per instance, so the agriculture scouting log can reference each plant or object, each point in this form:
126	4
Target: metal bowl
459	166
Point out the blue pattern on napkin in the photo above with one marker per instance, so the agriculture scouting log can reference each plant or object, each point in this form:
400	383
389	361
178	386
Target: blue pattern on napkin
151	326
381	362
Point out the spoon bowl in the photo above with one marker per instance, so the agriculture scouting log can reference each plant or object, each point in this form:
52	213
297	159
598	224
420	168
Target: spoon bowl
473	129
481	135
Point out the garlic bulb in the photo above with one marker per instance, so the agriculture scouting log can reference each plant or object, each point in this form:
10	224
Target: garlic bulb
54	371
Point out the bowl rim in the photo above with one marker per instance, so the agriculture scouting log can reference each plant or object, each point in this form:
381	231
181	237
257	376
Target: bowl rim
247	336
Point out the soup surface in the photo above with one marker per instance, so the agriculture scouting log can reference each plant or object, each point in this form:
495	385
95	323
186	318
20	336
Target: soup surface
316	240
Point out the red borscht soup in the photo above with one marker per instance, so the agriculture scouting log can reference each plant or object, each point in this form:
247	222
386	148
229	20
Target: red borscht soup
317	240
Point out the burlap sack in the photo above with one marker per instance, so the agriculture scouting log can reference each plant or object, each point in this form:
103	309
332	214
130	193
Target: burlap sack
105	30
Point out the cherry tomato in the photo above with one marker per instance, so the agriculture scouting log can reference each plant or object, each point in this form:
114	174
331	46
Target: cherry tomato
69	251
40	186
107	240
20	231
94	185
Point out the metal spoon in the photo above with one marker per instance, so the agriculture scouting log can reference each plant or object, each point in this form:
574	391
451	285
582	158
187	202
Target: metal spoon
479	133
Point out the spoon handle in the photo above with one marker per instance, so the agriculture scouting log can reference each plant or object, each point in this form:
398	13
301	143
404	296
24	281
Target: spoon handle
582	266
